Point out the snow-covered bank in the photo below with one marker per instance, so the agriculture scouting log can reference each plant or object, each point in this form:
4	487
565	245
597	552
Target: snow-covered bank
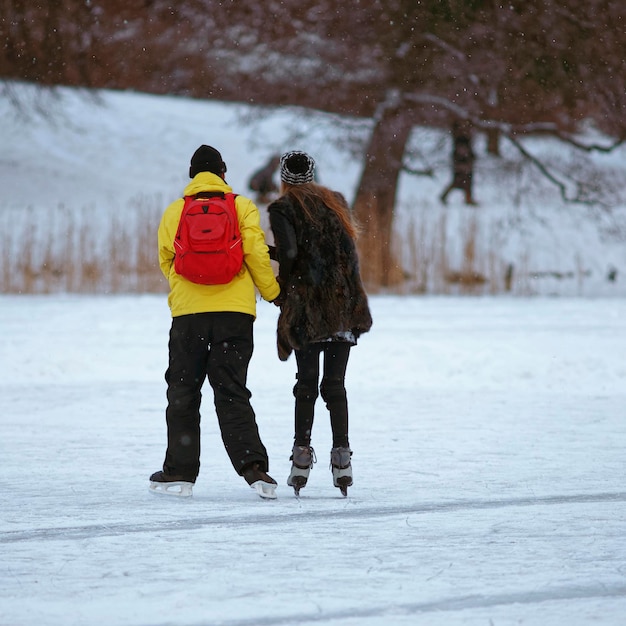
131	153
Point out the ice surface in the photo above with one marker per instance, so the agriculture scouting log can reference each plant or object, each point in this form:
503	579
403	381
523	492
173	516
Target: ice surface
489	453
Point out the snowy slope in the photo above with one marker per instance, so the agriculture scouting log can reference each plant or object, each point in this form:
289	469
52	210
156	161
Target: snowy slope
105	156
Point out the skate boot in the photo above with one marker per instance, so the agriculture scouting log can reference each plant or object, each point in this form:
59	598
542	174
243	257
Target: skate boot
260	481
171	485
342	468
302	458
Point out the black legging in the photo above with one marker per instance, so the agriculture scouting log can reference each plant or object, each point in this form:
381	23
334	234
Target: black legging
332	390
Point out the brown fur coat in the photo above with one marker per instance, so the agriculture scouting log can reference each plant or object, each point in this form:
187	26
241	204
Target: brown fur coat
322	293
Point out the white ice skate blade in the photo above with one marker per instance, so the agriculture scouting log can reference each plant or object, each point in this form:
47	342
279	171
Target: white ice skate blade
265	490
179	488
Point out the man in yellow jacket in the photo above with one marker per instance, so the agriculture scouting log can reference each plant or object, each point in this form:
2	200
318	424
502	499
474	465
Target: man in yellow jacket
211	335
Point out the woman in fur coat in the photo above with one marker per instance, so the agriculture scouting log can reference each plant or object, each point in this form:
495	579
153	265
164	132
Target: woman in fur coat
324	308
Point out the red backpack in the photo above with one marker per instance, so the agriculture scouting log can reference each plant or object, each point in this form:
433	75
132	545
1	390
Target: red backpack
208	242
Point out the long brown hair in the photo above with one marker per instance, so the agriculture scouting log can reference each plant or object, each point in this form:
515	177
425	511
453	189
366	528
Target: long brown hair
310	193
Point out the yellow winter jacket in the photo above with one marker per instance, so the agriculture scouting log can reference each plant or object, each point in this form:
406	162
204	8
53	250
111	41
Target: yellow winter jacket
239	295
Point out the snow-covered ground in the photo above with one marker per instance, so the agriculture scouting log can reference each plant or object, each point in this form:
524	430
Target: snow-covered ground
101	162
489	440
489	433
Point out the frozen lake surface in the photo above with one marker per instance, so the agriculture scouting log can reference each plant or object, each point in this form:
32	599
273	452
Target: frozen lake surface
489	453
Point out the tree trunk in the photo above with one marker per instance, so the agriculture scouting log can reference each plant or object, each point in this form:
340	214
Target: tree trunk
376	197
493	141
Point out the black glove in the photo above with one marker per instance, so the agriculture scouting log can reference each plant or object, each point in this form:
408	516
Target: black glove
279	300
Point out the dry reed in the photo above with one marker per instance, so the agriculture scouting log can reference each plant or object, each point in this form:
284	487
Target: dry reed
56	250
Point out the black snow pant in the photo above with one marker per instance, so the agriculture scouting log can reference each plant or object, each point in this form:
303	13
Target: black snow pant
217	345
332	390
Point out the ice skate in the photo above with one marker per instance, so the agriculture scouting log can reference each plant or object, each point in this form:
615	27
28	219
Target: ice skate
260	481
302	458
342	468
170	485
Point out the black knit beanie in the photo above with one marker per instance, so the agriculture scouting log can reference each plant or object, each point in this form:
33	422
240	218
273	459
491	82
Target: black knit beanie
206	159
296	168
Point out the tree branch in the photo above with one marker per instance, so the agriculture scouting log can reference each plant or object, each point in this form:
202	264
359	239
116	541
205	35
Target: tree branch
510	129
582	188
411	170
589	147
444	45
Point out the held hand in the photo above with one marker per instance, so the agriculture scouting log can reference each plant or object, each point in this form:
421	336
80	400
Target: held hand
279	300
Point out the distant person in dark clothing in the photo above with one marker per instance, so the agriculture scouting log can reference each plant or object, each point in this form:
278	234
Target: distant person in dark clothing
262	181
462	163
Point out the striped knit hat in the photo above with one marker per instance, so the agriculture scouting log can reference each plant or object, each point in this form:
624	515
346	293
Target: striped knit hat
296	168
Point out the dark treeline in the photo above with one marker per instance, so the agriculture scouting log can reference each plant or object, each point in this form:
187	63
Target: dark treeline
504	69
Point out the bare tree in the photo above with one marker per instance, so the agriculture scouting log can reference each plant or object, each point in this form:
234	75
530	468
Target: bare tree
47	43
509	69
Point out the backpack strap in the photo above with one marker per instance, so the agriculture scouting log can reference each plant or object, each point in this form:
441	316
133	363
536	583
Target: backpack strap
210	194
206	195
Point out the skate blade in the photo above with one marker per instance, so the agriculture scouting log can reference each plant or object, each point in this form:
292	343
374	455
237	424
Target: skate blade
297	482
179	488
267	491
343	482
